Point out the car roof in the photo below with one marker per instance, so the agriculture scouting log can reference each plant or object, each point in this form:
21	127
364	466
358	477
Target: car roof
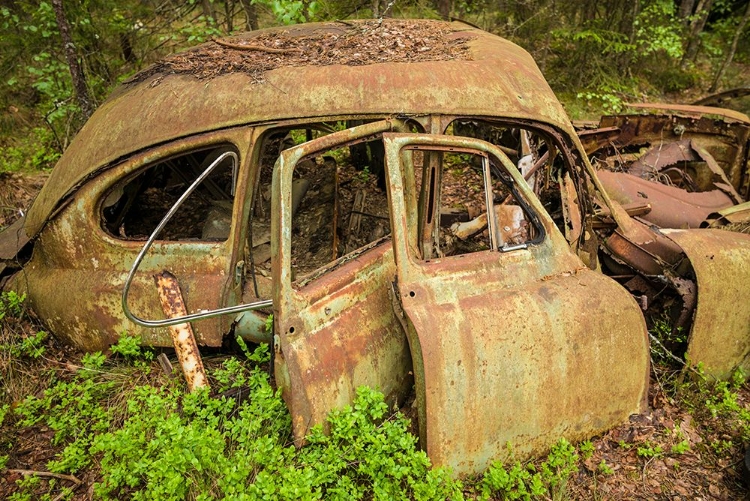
202	89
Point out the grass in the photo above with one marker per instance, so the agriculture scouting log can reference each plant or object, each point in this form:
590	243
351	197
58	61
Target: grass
116	426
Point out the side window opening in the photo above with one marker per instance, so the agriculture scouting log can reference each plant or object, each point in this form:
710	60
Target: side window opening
339	203
470	183
132	209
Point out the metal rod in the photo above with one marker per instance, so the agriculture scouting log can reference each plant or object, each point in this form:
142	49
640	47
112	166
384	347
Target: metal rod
488	199
195	316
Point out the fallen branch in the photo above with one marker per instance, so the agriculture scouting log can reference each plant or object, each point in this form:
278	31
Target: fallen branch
48	474
672	355
261	48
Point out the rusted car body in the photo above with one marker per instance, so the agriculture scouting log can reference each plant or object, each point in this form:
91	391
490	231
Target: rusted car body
681	167
417	213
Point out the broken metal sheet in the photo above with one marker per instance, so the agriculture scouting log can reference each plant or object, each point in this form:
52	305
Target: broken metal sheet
534	347
649	257
593	140
692	109
571	209
720	336
661	156
736	214
726	141
724	184
13	239
721	97
671	207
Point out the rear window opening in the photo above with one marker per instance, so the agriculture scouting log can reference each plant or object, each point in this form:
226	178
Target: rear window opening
132	209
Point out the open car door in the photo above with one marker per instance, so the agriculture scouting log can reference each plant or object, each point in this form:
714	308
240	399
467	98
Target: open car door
513	339
334	324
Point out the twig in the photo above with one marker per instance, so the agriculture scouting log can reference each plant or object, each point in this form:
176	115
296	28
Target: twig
672	355
385	12
61	495
254	47
48	474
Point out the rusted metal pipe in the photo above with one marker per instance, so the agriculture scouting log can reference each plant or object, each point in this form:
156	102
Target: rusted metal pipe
185	346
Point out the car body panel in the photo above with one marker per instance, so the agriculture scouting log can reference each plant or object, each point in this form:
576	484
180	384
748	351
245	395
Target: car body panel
338	331
720	337
518	347
75	258
499	76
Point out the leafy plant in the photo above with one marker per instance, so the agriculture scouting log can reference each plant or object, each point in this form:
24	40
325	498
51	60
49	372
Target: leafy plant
681	447
11	303
157	437
291	11
527	483
130	347
648	450
514	483
586	448
604	468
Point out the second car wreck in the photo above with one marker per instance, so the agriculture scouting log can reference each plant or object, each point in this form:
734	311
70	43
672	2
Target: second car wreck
416	213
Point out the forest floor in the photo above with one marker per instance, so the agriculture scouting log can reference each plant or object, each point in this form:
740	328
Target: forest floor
688	444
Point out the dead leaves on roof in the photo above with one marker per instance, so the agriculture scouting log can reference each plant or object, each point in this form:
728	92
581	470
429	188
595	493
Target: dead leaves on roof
352	44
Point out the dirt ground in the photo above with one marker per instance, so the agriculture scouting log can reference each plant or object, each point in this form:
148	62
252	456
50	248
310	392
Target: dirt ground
16	193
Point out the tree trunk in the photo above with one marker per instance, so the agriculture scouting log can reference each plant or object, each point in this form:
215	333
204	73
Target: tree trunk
444	8
79	80
251	15
127	49
209	12
633	25
686	10
732	50
696	28
229	14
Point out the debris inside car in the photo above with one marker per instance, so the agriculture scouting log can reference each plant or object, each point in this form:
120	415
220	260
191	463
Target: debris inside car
410	202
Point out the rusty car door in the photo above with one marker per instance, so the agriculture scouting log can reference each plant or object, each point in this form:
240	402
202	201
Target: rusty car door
85	249
334	329
517	345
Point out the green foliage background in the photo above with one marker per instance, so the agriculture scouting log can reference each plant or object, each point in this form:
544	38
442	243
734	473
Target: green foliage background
596	54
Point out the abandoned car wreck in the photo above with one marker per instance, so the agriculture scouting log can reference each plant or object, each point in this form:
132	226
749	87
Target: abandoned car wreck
411	203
